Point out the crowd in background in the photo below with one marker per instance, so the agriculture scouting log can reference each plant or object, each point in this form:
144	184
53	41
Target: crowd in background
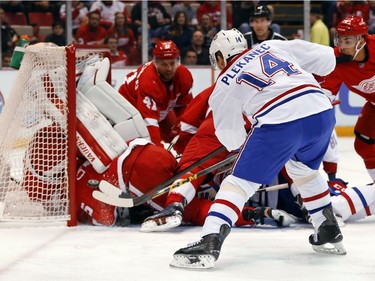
190	24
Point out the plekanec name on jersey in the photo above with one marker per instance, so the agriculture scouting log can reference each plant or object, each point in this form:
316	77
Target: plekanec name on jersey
231	73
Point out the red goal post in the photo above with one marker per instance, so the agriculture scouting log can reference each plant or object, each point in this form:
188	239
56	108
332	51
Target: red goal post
38	135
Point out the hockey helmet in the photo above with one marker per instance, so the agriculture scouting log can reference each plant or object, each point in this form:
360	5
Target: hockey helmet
229	43
166	50
261	12
351	26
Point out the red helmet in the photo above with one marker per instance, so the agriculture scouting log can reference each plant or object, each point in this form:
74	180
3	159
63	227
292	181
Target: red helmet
352	25
166	50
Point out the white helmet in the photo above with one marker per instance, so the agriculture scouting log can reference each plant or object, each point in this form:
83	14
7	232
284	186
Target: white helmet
229	43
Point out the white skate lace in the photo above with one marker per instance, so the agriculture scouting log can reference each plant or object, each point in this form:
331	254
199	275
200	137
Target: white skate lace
194	243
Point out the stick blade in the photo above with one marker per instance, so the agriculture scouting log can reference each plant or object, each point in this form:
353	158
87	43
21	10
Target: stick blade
112	195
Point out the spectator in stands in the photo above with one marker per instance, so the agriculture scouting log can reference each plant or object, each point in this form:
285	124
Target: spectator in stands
124	33
260	27
179	31
9	36
214	10
79	14
7	57
371	20
158	18
344	8
13	6
108	10
44	7
319	32
91	33
191	57
190	11
135	52
58	35
198	46
117	57
206	27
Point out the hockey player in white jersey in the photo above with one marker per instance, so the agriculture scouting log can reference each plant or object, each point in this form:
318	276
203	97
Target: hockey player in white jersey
292	121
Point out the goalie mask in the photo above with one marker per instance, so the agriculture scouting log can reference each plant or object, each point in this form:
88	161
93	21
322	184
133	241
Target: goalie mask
229	43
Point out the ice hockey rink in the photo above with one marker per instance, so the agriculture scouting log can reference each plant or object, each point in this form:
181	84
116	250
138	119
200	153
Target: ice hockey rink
266	254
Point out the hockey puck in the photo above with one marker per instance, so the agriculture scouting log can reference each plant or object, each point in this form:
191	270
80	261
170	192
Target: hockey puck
93	183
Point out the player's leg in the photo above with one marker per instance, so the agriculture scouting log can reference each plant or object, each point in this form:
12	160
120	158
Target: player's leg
365	137
303	169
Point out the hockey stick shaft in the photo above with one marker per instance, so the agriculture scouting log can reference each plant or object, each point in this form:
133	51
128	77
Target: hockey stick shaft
206	171
125	200
273	187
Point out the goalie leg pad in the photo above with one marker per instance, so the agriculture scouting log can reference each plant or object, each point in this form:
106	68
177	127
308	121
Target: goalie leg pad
96	139
127	119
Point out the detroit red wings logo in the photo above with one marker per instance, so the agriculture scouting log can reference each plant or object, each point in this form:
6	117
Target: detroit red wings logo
366	86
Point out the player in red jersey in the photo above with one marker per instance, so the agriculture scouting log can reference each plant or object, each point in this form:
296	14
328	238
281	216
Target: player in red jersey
355	51
160	90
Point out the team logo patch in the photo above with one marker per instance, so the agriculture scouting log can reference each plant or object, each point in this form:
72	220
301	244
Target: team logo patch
366	86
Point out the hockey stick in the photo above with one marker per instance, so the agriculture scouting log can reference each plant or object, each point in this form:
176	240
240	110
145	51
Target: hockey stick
273	187
112	195
147	196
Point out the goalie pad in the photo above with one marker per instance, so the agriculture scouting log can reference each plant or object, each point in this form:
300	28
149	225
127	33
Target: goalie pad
124	117
45	166
96	139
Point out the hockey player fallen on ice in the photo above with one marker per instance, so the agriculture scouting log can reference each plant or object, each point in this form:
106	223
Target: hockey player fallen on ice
273	87
355	51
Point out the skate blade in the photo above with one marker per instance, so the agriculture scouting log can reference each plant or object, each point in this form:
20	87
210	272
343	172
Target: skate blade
153	226
193	262
330	248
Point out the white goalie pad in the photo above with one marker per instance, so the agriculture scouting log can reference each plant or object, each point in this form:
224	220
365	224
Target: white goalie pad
96	138
124	117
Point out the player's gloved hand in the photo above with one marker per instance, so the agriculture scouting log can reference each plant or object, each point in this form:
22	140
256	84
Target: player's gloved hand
281	218
208	191
336	186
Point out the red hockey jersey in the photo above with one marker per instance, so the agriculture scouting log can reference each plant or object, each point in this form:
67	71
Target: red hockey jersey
154	98
359	77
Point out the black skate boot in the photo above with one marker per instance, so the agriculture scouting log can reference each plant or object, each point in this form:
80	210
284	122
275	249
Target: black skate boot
203	253
328	238
170	217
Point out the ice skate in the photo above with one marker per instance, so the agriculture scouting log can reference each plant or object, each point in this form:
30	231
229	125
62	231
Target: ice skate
170	217
328	238
203	253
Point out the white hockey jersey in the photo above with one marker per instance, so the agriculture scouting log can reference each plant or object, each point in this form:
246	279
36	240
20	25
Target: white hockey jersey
270	84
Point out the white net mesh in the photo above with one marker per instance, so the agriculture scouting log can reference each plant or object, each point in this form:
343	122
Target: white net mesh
33	139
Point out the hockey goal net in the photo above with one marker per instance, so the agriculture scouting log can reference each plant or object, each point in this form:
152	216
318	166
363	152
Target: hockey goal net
38	136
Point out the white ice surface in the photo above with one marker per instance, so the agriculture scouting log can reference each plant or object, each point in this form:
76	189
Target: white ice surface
266	254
